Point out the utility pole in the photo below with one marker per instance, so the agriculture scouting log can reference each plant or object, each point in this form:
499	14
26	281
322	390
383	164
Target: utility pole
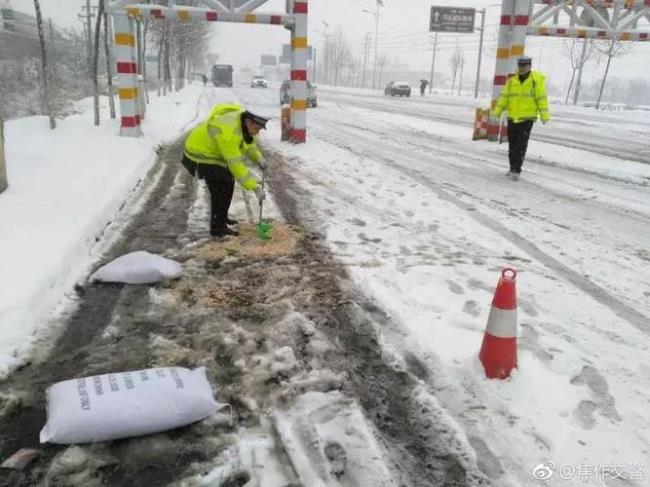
433	61
89	29
366	45
47	98
52	48
462	69
313	66
88	9
480	53
374	74
376	14
576	93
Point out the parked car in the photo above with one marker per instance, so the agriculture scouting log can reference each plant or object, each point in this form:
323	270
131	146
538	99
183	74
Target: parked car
285	97
259	82
397	88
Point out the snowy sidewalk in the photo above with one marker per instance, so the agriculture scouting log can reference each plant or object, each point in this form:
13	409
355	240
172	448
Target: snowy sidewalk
66	187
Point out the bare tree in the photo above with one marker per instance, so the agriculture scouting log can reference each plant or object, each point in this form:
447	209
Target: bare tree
180	44
462	69
4	183
340	53
145	29
587	51
98	26
109	67
382	62
456	62
638	92
47	102
578	52
611	49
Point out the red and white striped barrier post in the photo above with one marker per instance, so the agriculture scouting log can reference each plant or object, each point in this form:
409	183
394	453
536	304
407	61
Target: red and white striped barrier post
481	120
520	22
299	57
499	349
185	14
588	33
127	74
502	66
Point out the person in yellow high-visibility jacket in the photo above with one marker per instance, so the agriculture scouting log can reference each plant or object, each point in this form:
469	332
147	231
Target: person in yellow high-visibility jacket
524	98
217	150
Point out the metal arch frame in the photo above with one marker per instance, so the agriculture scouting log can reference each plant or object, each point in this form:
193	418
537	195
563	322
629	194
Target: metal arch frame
124	13
218	5
519	18
623	24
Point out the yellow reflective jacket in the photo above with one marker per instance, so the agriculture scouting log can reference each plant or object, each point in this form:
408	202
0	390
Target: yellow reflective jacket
523	101
220	140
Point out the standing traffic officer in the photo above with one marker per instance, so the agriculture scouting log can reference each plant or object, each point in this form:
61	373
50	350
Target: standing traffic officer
524	99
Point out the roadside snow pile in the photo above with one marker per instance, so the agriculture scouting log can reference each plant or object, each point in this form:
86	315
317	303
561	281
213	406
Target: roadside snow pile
66	186
112	406
138	268
327	440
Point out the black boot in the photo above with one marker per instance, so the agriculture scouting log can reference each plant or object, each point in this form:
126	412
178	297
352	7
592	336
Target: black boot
231	221
224	232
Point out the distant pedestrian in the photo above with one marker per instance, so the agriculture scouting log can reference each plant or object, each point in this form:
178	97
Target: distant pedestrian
204	78
217	150
523	98
423	86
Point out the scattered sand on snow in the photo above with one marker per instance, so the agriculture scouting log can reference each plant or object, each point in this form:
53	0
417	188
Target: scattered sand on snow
284	240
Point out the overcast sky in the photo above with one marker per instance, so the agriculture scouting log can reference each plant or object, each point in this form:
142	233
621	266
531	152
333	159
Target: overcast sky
403	35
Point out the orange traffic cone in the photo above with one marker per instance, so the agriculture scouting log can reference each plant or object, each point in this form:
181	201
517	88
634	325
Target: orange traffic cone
499	350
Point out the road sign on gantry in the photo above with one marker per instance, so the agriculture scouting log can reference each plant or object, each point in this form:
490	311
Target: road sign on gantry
269	60
452	19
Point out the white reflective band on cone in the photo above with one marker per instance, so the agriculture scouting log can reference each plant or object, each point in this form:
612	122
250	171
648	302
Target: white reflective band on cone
502	323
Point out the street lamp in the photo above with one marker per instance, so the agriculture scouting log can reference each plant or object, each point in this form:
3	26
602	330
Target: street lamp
325	54
376	15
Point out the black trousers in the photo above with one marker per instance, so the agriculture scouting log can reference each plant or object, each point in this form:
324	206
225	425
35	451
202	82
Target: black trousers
221	186
518	135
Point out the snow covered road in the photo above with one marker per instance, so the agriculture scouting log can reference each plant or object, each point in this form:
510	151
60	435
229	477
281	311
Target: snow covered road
425	220
350	358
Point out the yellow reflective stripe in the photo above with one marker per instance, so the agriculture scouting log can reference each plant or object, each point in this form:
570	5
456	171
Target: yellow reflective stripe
183	15
517	50
133	11
128	93
299	104
251	18
205	158
122	39
503	53
299	43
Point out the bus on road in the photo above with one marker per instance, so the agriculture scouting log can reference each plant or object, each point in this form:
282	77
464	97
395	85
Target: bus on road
222	75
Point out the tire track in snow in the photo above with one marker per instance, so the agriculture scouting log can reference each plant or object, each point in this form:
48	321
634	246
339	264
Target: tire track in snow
363	145
620	152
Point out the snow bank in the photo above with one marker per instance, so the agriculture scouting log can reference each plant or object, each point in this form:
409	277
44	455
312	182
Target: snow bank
66	186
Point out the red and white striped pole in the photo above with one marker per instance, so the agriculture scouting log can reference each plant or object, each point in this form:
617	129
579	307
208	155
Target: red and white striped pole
127	74
520	21
299	57
502	67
